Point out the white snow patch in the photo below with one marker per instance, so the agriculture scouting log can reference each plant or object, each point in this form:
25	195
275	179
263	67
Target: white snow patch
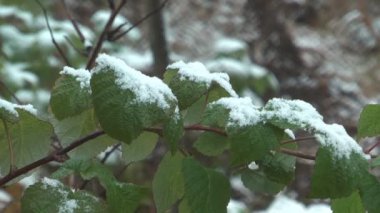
196	71
147	89
51	182
235	67
283	204
81	75
28	181
242	111
227	45
290	133
5	197
235	206
253	166
8	106
68	206
17	74
28	107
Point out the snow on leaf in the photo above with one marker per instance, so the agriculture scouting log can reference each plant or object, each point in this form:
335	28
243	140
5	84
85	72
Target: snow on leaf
197	72
81	75
147	89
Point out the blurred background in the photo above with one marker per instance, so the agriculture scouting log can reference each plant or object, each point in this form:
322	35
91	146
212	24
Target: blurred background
325	52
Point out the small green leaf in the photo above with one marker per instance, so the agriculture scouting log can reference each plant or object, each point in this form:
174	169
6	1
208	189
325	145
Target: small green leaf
216	115
370	192
127	101
30	138
369	122
168	185
140	148
257	181
251	143
375	162
173	131
52	196
205	190
211	144
350	204
279	167
71	95
336	178
73	128
124	197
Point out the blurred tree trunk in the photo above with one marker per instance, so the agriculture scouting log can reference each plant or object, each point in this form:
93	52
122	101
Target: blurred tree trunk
157	38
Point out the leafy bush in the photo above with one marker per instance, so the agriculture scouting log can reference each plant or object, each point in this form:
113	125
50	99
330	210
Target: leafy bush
109	104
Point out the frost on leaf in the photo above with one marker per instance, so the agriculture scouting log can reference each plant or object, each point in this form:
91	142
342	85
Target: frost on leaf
81	75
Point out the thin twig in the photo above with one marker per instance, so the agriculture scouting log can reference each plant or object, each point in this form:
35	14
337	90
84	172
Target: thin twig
205	128
116	37
111	4
60	51
12	166
80	52
308	138
73	22
51	157
95	51
10	92
297	154
104	159
372	147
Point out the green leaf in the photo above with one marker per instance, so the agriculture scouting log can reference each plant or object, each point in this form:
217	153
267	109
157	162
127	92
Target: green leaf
124	197
211	144
168	183
257	181
73	128
140	148
216	115
70	96
251	143
375	162
194	113
336	178
369	122
52	196
173	131
205	190
279	167
124	108
30	138
187	91
370	192
350	204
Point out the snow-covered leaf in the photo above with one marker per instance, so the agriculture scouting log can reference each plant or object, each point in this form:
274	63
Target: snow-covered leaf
71	94
126	100
52	196
334	178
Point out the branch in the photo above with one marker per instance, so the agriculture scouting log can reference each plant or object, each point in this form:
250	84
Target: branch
75	24
60	51
10	92
205	128
95	51
372	147
51	157
297	154
116	37
298	140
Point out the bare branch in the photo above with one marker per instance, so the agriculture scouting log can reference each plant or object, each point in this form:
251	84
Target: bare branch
297	154
95	51
309	138
60	51
52	157
116	37
75	24
10	92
